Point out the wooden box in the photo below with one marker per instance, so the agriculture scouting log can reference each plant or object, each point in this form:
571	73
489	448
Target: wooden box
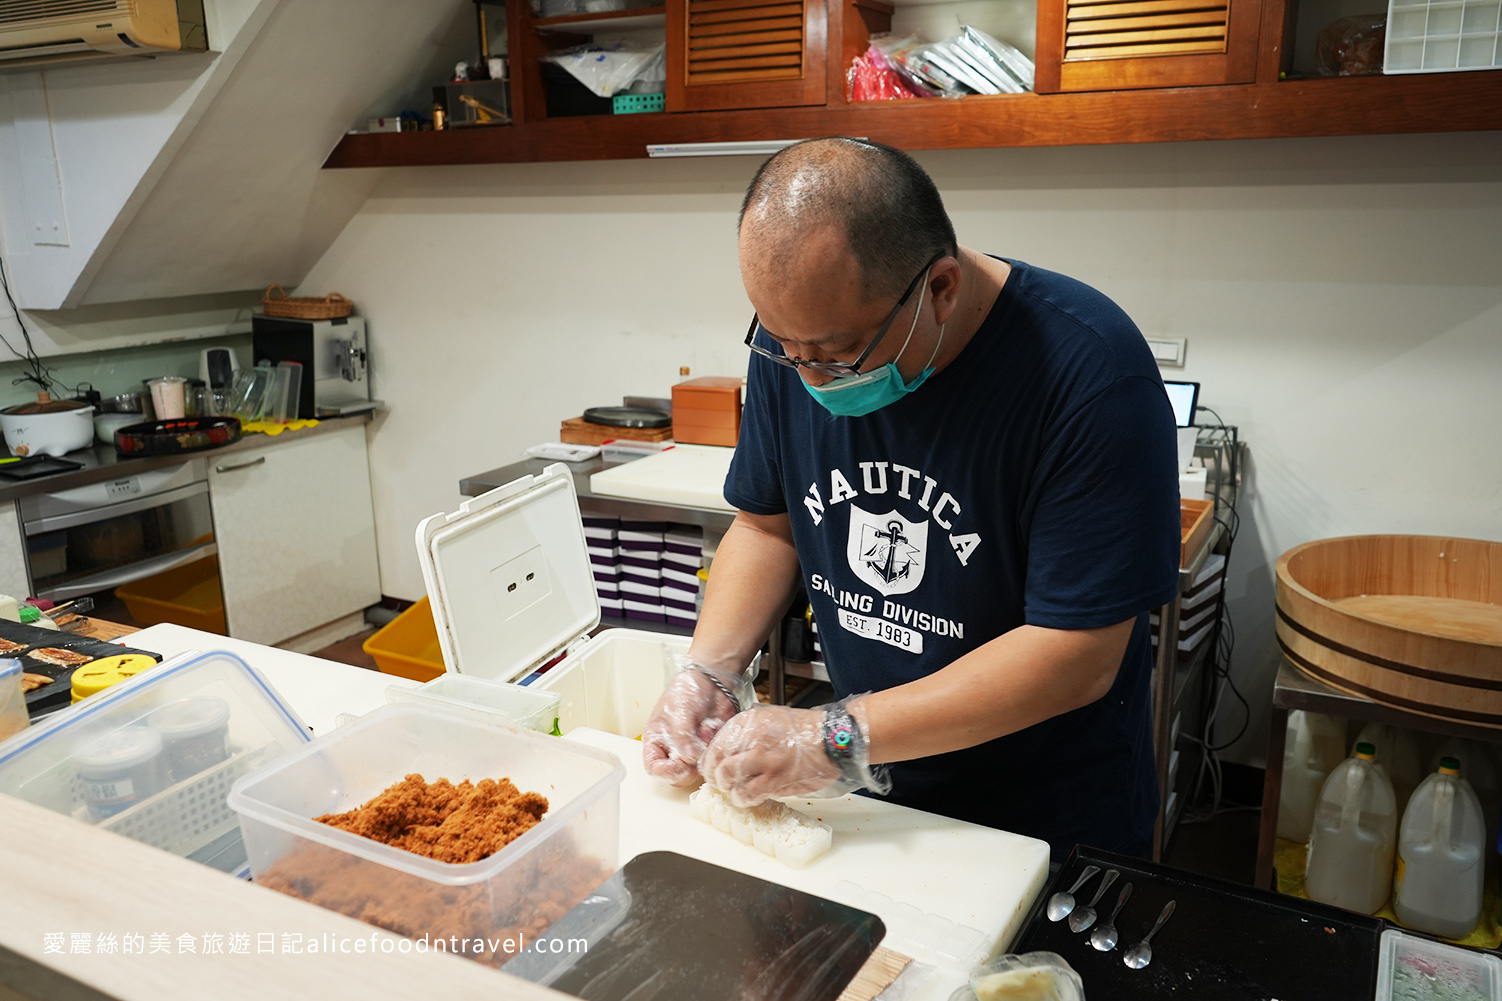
707	411
1196	517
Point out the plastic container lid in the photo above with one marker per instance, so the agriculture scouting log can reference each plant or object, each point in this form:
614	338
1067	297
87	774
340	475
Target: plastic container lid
124	749
29	613
1449	766
195	716
1365	751
508	577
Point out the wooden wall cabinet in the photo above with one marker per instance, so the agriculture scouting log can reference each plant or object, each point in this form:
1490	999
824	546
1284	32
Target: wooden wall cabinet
725	54
1121	44
1167	92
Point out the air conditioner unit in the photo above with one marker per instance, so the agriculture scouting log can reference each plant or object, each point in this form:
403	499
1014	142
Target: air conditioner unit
41	32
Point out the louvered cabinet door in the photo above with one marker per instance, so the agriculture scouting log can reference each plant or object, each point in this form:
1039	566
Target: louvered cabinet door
1115	44
726	54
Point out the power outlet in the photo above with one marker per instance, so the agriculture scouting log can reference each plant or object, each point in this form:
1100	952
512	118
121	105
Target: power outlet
520	583
1168	351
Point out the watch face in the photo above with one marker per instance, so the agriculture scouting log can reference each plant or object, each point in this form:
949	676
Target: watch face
841	738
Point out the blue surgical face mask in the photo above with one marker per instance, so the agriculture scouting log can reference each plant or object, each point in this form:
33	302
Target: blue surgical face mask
859	395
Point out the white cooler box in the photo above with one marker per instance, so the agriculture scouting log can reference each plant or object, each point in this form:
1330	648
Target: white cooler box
509	581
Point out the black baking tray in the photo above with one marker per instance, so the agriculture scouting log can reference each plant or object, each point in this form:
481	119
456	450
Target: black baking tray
1224	942
42	700
37	465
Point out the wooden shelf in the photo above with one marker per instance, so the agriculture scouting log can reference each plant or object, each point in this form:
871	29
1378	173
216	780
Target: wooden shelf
1441	102
634	17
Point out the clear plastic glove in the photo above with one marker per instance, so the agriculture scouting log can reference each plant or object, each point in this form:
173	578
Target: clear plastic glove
695	705
775	751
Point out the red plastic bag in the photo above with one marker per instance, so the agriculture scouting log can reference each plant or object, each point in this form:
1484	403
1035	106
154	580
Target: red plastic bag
872	78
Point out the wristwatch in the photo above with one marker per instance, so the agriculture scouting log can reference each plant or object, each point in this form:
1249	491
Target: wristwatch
843	741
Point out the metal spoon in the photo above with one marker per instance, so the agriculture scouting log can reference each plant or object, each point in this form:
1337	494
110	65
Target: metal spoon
1104	937
1084	917
1141	954
1061	903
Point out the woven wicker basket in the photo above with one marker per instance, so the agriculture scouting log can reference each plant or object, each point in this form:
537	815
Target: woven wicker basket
276	302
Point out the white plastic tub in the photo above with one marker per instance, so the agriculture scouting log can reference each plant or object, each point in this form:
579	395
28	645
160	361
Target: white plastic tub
613	683
518	891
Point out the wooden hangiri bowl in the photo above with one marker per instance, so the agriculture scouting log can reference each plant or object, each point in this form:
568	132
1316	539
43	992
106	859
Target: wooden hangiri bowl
1413	621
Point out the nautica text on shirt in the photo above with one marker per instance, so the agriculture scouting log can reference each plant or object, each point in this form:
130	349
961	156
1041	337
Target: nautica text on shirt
882	477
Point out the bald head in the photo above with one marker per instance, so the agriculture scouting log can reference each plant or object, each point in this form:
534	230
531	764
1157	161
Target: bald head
870	200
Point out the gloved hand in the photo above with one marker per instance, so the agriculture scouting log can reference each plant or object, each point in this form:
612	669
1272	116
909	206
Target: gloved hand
696	703
772	751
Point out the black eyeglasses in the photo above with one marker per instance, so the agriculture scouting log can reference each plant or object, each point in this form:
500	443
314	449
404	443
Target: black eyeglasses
842	367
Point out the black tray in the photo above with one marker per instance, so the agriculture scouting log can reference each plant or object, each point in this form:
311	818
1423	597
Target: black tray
60	693
177	436
37	465
1224	942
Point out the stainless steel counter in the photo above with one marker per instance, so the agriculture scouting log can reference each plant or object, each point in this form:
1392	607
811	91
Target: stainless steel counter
598	505
102	462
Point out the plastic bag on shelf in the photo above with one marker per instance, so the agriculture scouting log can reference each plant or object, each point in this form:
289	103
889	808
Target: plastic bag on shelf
610	68
1007	58
896	51
917	61
1352	46
872	77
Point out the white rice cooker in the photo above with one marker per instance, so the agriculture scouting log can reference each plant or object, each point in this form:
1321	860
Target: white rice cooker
52	433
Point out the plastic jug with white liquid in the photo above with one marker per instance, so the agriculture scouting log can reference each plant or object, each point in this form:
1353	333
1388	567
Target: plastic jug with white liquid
1315	744
1437	886
1355	829
1397	753
1480	767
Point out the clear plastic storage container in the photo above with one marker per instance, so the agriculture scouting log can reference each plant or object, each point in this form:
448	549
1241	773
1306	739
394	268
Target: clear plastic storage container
526	707
1410	968
521	889
1441	849
13	716
1354	835
1314	746
106	762
613	683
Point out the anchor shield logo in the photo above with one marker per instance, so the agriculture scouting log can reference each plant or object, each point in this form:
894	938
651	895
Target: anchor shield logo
887	551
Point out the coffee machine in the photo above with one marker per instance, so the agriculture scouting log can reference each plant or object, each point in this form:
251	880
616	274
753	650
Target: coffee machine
332	352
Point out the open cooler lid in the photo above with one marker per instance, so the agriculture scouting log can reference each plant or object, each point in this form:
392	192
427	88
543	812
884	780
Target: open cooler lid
508	577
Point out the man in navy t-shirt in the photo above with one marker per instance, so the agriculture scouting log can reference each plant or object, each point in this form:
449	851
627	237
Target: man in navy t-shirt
969	464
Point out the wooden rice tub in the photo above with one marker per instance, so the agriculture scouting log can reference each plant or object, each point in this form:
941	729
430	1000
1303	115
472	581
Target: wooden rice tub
1413	621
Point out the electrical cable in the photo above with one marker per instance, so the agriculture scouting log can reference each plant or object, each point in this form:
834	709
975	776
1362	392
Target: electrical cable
40	374
1222	641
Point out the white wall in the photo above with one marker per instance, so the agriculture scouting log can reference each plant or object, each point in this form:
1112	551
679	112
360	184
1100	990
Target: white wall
1342	299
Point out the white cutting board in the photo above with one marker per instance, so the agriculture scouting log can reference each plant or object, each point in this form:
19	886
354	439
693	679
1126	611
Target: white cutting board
914	870
689	475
